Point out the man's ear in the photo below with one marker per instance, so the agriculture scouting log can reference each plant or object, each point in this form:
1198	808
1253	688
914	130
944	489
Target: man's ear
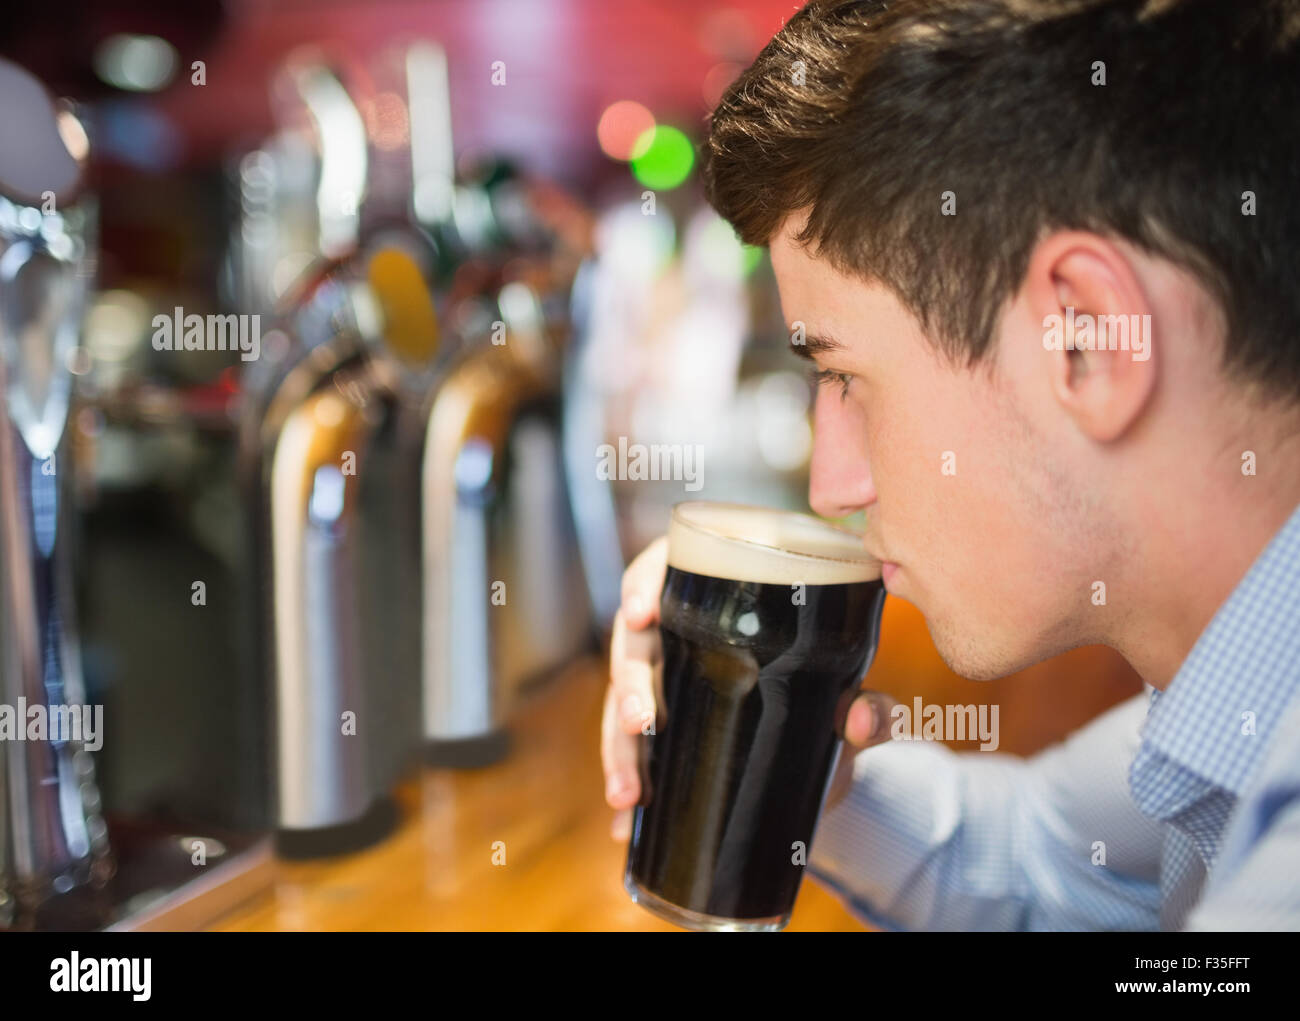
1097	337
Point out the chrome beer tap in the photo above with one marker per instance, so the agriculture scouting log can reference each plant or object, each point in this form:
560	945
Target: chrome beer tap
315	437
504	601
54	854
358	337
309	421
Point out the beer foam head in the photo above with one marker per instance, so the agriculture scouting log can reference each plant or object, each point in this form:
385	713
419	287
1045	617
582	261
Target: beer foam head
728	540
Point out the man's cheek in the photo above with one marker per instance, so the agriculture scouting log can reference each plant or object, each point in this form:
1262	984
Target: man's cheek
902	457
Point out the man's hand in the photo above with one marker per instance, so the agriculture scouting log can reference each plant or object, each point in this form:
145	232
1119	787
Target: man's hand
866	724
630	699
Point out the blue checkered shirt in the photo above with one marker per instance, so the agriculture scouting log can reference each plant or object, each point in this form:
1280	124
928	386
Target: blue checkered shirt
1174	810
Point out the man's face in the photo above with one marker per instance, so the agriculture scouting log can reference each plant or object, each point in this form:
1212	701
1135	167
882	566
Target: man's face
966	493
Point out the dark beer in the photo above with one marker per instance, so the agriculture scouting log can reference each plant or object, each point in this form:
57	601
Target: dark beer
768	619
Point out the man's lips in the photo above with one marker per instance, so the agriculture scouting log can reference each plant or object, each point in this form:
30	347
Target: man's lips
873	548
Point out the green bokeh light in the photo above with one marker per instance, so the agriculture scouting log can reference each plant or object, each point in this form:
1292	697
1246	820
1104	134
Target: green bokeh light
664	159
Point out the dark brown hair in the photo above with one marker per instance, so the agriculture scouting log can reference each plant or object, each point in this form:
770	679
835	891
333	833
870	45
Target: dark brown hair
866	112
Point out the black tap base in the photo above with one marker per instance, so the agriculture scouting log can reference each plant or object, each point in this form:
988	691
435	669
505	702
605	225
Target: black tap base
378	821
468	752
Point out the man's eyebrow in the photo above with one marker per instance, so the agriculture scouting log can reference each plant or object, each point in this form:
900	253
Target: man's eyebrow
815	344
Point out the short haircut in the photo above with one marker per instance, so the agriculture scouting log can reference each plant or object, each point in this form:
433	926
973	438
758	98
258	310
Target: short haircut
866	112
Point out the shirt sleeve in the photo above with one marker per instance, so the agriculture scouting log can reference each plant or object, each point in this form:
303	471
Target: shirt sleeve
929	838
1254	884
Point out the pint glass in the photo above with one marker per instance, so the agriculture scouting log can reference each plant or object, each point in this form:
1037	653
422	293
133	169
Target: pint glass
769	619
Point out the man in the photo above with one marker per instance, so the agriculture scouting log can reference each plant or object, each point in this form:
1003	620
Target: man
1042	255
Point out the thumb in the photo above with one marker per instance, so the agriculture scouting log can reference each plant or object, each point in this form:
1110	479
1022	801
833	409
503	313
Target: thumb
865	718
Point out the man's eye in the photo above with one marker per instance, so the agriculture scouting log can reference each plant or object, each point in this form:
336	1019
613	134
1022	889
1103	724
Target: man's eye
822	377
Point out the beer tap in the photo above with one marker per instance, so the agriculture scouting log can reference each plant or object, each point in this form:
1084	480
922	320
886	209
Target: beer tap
359	337
503	599
491	511
54	853
311	426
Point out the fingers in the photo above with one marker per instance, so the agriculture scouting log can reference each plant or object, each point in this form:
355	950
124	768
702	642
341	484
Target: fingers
630	702
643	581
618	749
629	711
633	658
634	653
864	721
621	827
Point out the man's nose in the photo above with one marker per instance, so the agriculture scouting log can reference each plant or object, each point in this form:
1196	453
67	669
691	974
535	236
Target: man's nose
840	480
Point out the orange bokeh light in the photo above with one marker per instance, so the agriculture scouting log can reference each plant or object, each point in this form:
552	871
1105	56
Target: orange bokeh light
621	125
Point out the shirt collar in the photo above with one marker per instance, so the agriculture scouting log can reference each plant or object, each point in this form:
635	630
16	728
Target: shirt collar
1219	712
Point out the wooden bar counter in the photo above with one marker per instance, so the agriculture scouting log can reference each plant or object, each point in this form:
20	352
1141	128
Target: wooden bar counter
541	813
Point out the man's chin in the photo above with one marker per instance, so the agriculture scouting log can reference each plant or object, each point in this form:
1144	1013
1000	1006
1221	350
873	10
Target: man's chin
970	652
976	657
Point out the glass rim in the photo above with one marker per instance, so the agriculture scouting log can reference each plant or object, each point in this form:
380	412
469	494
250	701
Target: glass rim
681	512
